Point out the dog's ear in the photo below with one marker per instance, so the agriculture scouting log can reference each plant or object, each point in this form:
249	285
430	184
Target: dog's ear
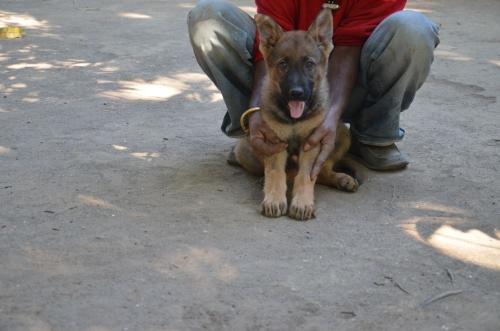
321	30
269	32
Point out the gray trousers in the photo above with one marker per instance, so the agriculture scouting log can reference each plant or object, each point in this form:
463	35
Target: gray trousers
395	61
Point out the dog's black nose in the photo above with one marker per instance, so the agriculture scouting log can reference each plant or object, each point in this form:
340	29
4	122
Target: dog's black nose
297	93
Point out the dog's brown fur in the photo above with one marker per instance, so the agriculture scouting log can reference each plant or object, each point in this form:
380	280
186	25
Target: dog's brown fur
296	46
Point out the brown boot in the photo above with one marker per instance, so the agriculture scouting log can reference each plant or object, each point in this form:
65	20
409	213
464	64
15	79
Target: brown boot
380	158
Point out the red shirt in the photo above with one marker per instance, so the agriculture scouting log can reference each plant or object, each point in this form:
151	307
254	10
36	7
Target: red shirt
353	22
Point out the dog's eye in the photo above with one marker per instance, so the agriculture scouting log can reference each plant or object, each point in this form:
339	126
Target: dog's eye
283	65
310	65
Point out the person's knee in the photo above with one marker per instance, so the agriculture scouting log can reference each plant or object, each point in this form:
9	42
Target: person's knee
205	19
413	29
200	22
207	9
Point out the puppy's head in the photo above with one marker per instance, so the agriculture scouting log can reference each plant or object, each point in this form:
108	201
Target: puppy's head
297	62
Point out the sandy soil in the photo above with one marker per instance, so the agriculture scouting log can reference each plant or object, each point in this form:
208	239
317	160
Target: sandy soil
118	211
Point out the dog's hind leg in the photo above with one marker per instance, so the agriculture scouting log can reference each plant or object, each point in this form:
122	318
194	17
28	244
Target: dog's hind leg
339	180
328	176
244	156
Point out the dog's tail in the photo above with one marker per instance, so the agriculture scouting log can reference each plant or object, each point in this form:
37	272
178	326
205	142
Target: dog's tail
350	167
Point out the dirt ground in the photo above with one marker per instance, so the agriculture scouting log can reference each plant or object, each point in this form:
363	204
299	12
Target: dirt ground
118	211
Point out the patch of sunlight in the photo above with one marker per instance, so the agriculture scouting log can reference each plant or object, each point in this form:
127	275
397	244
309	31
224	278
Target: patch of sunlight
216	97
28	48
195	96
19	85
37	66
104	81
453	220
3	110
495	62
191	77
96	202
92	201
160	89
472	246
30	99
212	95
109	69
146	156
186	5
198	97
4	150
135	16
120	148
432	206
73	64
68	64
420	10
197	86
449	55
25	21
250	10
202	265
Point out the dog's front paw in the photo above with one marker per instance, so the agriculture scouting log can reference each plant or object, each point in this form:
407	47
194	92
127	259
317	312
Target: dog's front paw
274	207
347	183
301	210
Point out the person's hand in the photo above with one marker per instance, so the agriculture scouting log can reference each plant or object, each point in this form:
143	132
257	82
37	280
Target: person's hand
325	135
263	140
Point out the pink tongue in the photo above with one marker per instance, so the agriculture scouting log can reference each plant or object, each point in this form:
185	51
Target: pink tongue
296	108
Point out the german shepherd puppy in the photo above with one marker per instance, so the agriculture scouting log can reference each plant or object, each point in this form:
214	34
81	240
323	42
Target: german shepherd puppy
294	103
